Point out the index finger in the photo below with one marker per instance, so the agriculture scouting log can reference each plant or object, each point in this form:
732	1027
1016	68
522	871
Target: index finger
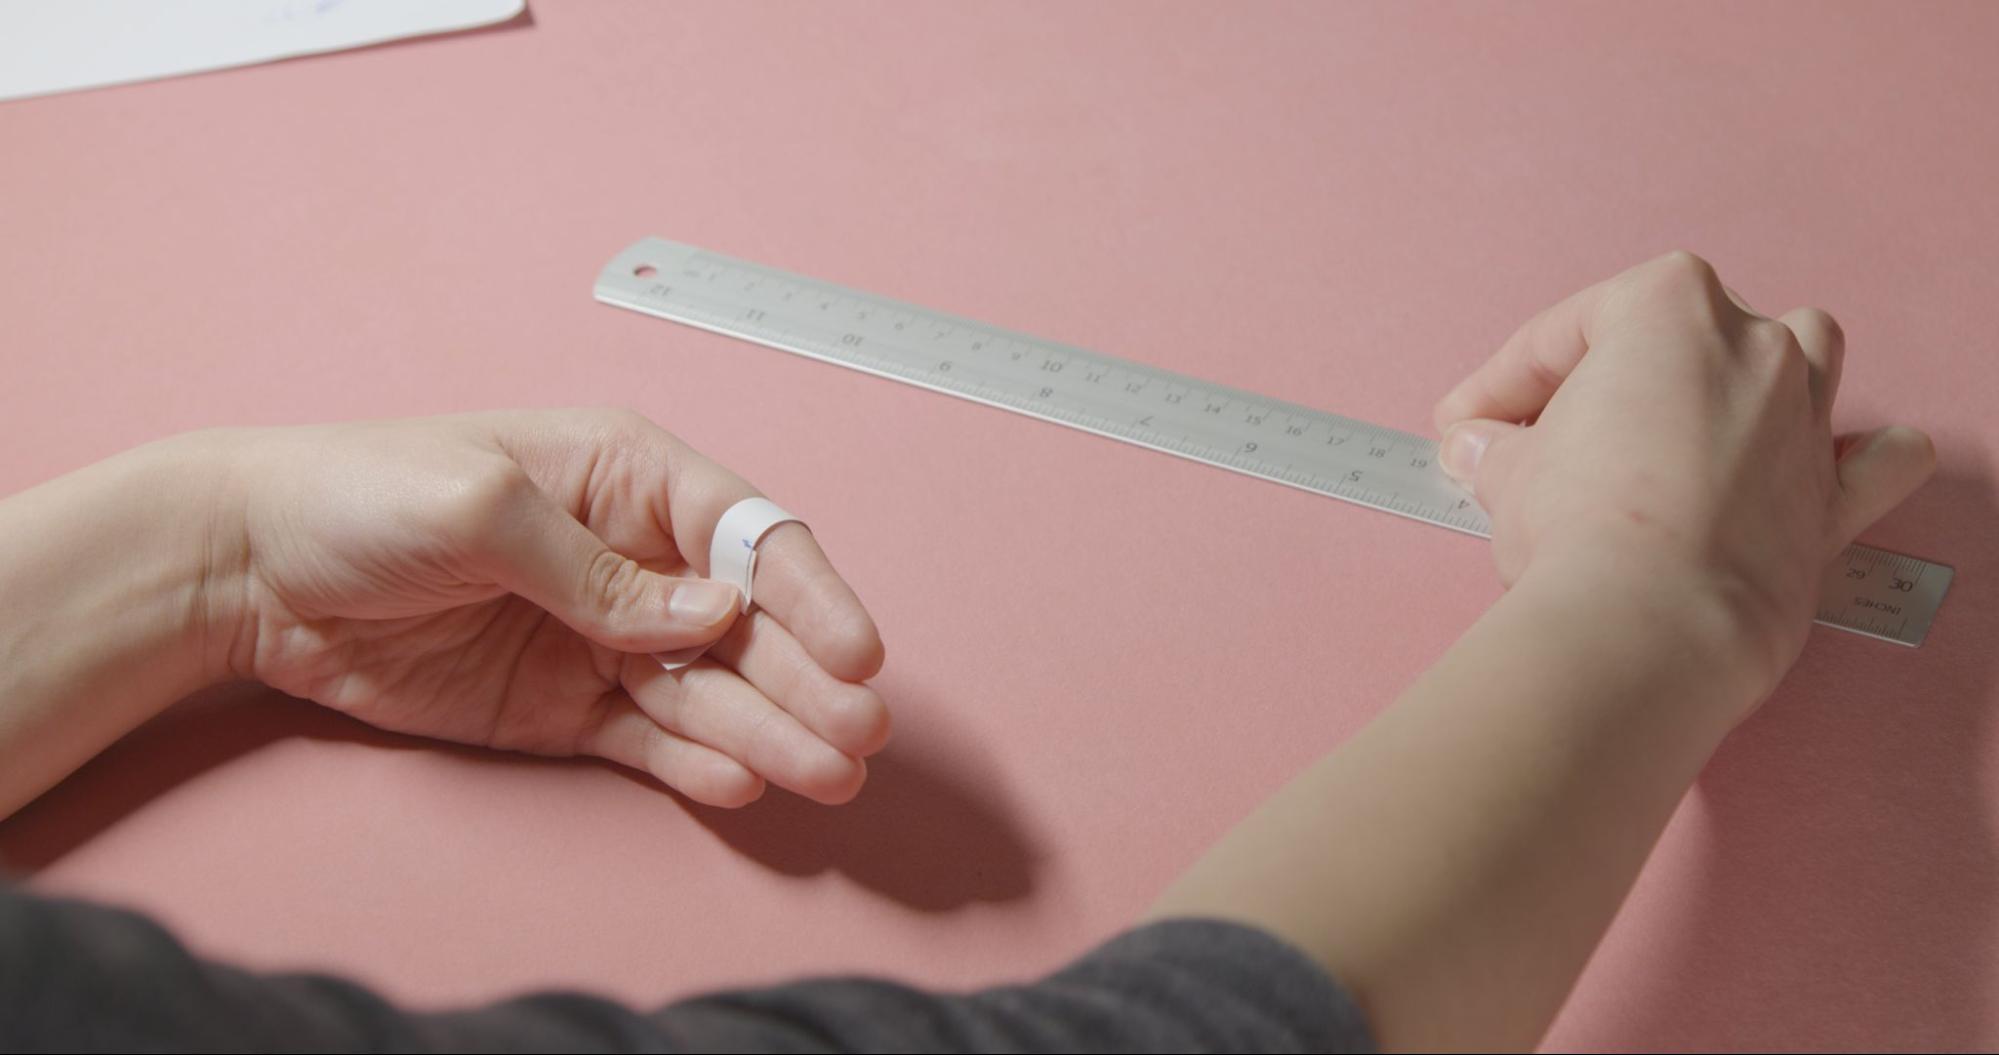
795	582
1517	382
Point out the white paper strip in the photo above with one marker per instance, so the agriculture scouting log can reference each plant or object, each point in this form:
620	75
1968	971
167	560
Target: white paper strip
732	558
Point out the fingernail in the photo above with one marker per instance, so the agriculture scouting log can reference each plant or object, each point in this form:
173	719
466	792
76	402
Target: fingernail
702	601
1463	447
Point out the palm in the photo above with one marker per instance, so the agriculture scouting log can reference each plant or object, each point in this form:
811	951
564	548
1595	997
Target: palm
499	673
405	637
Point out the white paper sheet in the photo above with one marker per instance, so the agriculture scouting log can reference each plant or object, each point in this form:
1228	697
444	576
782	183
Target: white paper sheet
51	46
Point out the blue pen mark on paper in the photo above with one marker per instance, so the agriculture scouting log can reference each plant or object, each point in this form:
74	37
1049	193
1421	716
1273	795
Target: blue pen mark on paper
299	10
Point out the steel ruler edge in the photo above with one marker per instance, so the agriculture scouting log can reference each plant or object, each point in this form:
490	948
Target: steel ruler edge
1867	591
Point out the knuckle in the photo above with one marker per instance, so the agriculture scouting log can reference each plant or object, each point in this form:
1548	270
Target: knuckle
1768	337
1820	322
1681	265
658	752
607	581
1444	413
634	444
613	427
624	421
486	496
603	425
761	746
1544	374
1681	285
703	489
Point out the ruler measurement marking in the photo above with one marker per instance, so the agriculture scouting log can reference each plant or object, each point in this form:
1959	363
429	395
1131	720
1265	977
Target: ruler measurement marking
1147	406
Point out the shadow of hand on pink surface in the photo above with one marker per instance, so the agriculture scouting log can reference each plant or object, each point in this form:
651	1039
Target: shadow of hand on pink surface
1850	895
928	830
200	733
925	831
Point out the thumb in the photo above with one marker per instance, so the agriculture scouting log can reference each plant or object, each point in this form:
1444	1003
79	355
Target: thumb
1477	453
547	556
1876	471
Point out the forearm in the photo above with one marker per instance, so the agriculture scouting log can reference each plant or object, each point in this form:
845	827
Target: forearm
104	612
1457	861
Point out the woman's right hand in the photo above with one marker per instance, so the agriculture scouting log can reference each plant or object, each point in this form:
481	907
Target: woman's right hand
1653	433
502	579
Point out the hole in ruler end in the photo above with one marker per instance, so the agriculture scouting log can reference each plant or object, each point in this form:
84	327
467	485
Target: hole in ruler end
645	271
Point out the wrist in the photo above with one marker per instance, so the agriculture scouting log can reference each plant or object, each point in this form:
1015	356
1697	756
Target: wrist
1723	629
117	582
194	484
181	562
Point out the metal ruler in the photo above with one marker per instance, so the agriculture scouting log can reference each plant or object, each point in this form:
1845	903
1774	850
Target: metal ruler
1868	591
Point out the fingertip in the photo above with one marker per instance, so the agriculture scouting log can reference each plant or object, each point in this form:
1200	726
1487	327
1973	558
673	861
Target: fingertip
650	613
852	648
1913	454
631	738
1922	448
858	723
709	777
725	788
1877	471
701	605
837	631
823	774
797	585
1910	449
838	784
1814	326
1464	446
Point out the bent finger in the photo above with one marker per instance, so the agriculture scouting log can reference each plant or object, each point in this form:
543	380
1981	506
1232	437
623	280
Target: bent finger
1877	471
1824	345
710	704
849	716
630	738
1519	379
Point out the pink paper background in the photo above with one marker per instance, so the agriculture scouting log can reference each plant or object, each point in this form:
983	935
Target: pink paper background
1099	656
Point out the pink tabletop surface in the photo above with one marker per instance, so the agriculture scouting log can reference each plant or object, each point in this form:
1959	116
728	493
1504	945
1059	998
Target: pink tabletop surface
1099	656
